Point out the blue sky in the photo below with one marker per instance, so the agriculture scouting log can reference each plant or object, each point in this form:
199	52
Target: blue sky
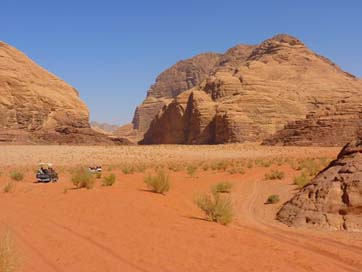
112	51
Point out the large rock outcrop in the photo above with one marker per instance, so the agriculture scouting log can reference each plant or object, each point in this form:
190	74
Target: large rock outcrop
334	125
180	77
254	91
333	200
38	107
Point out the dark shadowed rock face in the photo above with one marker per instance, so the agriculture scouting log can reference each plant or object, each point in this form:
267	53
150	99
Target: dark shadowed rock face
38	107
182	76
333	200
255	91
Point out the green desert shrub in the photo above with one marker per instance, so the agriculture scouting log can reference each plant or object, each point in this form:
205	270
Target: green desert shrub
274	174
10	187
222	187
159	183
302	180
109	180
16	175
8	256
82	178
216	207
272	199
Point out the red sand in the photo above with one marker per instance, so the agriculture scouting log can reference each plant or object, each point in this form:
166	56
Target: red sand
127	228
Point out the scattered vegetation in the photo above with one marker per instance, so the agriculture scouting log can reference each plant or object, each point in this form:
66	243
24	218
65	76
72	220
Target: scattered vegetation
127	169
274	174
272	199
16	175
222	187
82	178
219	166
236	170
191	170
10	187
109	180
302	180
159	183
216	207
250	164
8	255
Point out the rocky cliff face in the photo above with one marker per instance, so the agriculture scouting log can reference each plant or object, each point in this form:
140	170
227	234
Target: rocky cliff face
36	106
333	200
254	91
182	76
334	125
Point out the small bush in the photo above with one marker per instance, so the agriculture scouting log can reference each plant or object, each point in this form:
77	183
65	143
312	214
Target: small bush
109	180
272	199
82	178
10	187
159	183
274	174
216	207
222	187
191	170
302	180
16	175
8	255
205	167
127	169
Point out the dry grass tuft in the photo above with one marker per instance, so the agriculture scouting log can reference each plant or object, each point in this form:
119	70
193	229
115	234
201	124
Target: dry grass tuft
160	183
16	175
82	178
216	207
222	187
274	174
109	180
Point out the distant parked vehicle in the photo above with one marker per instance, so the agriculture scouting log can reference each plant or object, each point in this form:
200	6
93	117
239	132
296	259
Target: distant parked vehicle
95	169
46	173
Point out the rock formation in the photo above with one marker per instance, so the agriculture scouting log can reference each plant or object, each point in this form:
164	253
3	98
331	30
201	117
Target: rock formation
334	125
170	83
38	107
333	200
254	91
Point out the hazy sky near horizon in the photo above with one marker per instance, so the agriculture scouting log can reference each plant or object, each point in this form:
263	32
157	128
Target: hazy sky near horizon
111	51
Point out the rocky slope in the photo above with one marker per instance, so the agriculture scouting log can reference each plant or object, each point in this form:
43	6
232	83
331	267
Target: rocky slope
333	200
38	107
254	91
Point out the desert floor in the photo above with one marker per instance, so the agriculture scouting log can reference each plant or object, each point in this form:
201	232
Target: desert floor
56	227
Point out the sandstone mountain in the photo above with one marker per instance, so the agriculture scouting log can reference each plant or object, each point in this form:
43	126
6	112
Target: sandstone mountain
38	107
170	83
333	200
104	128
251	92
